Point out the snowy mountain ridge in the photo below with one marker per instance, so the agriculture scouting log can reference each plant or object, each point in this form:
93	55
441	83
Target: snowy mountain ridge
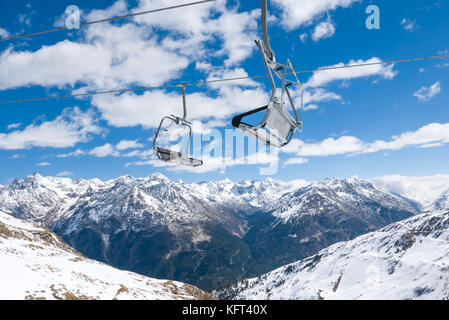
36	264
405	260
46	200
333	195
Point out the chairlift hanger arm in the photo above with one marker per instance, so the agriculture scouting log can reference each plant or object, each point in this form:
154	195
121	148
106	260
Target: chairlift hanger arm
184	102
266	41
267	67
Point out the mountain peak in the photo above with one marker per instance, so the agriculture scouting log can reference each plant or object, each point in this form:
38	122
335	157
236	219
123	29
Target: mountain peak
158	176
35	176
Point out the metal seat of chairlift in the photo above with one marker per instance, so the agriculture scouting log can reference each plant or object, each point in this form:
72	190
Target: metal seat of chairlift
276	129
171	156
278	126
177	157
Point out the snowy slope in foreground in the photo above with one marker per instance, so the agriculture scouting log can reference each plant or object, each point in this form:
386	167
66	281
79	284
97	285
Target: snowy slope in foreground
36	264
406	260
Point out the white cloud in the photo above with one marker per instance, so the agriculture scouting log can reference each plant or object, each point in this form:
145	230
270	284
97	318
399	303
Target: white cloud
296	161
75	153
43	164
71	127
143	154
14	125
119	57
326	147
319	95
118	8
311	107
431	135
107	150
128	144
322	78
3	33
295	13
424	190
312	96
65	174
323	30
408	24
426	94
205	23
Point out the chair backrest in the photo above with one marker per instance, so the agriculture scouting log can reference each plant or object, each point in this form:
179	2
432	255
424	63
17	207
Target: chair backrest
280	122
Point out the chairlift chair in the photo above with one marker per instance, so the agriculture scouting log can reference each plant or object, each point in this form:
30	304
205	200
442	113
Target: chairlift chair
171	156
278	126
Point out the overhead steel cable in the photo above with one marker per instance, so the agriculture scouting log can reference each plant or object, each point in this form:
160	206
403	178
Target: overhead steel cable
374	63
77	95
108	19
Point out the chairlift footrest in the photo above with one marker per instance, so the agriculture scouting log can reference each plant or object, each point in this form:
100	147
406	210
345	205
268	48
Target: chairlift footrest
177	157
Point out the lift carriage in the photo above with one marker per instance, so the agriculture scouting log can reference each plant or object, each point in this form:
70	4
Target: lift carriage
278	125
177	157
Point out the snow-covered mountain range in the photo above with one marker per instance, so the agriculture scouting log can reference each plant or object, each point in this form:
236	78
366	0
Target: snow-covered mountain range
36	264
405	260
442	202
206	234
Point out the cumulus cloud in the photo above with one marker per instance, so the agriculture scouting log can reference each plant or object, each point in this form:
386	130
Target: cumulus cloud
65	174
109	150
68	129
296	161
424	190
110	64
43	164
296	14
106	150
322	78
323	30
431	135
427	93
128	144
327	147
199	25
76	153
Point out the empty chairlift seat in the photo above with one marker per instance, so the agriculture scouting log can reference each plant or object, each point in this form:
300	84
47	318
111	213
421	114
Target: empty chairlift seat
176	157
278	125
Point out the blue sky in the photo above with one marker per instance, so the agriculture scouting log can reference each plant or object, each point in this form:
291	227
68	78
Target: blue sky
376	121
